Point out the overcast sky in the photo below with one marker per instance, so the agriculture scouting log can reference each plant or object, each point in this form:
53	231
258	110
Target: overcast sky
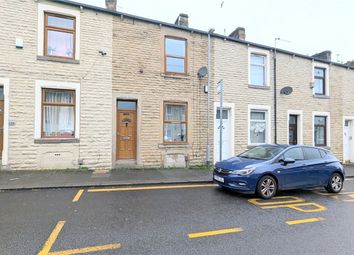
307	26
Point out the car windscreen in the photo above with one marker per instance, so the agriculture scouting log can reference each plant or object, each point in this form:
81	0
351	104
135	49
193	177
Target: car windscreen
262	152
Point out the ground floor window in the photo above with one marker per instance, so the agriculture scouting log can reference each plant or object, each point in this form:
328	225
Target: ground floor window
175	122
58	113
320	131
258	127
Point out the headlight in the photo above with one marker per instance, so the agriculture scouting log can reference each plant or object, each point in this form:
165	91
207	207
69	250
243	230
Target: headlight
245	171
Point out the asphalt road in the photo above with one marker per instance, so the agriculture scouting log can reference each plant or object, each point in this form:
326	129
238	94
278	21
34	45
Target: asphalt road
159	221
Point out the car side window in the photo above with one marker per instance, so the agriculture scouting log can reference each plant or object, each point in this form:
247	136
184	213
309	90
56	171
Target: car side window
323	153
294	153
312	154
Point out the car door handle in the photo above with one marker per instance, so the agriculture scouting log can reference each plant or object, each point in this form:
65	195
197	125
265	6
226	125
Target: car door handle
304	165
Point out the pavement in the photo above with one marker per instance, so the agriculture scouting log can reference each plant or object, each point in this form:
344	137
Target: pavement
15	180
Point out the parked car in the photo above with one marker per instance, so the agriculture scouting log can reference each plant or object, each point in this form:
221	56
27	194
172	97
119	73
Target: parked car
265	169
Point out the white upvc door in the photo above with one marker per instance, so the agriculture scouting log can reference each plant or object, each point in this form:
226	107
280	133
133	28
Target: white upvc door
226	135
348	140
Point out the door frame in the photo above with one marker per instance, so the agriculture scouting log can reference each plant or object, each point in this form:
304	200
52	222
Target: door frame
231	107
299	125
5	152
119	96
351	118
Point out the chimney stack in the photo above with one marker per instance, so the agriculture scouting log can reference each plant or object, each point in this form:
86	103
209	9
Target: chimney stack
111	5
239	34
182	20
325	55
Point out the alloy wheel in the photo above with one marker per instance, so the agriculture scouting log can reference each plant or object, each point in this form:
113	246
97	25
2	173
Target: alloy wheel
267	187
336	183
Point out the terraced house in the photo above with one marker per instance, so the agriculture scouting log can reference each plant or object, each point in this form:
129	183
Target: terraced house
91	87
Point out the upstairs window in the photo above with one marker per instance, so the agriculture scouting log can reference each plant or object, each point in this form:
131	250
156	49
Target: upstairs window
258	69
320	81
175	55
58	113
59	36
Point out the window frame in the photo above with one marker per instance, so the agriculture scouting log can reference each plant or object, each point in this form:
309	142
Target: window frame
185	104
325	130
324	83
43	103
58	29
264	68
267	110
266	55
175	56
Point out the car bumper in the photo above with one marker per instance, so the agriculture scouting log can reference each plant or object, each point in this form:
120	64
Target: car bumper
242	184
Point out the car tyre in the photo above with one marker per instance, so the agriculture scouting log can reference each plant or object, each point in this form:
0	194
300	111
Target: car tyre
267	187
335	183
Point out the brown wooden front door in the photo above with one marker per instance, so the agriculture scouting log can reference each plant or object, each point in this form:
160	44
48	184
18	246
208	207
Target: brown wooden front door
126	134
293	129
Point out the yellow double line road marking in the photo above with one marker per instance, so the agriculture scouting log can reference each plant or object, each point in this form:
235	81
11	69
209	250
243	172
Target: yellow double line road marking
308	220
152	188
215	232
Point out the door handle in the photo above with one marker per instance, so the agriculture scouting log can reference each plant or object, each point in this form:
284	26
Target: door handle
304	165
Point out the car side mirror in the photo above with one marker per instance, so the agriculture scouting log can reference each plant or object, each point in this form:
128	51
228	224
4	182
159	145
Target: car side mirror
287	161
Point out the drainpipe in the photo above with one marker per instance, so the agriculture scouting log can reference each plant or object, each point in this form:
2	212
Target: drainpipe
275	89
211	30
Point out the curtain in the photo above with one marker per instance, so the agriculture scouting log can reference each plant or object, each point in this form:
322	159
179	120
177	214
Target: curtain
59	120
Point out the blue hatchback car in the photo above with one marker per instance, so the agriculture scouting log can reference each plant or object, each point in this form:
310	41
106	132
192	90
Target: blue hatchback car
266	169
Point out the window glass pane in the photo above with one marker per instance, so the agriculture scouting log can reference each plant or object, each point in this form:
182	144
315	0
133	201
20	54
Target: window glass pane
54	21
319	72
175	133
312	153
175	47
257	75
175	113
127	105
59	96
292	119
59	121
323	153
175	65
224	114
320	135
262	152
257	59
320	120
257	115
319	88
60	44
295	153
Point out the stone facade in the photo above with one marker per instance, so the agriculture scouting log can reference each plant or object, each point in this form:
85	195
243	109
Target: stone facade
93	73
122	57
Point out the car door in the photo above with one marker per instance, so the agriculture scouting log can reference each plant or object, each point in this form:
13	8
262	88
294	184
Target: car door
292	175
316	166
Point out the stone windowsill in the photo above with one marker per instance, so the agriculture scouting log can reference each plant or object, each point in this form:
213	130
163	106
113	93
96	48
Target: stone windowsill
321	96
60	60
173	146
258	87
56	140
181	76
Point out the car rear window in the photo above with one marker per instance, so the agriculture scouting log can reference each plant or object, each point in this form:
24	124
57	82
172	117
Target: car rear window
312	153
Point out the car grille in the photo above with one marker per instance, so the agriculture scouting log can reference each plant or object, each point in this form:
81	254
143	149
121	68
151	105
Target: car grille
221	171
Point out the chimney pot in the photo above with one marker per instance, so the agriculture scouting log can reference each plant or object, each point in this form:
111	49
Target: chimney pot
111	5
182	20
239	33
324	55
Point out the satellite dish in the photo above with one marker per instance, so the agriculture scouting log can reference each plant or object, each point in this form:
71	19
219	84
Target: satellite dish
202	72
286	90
